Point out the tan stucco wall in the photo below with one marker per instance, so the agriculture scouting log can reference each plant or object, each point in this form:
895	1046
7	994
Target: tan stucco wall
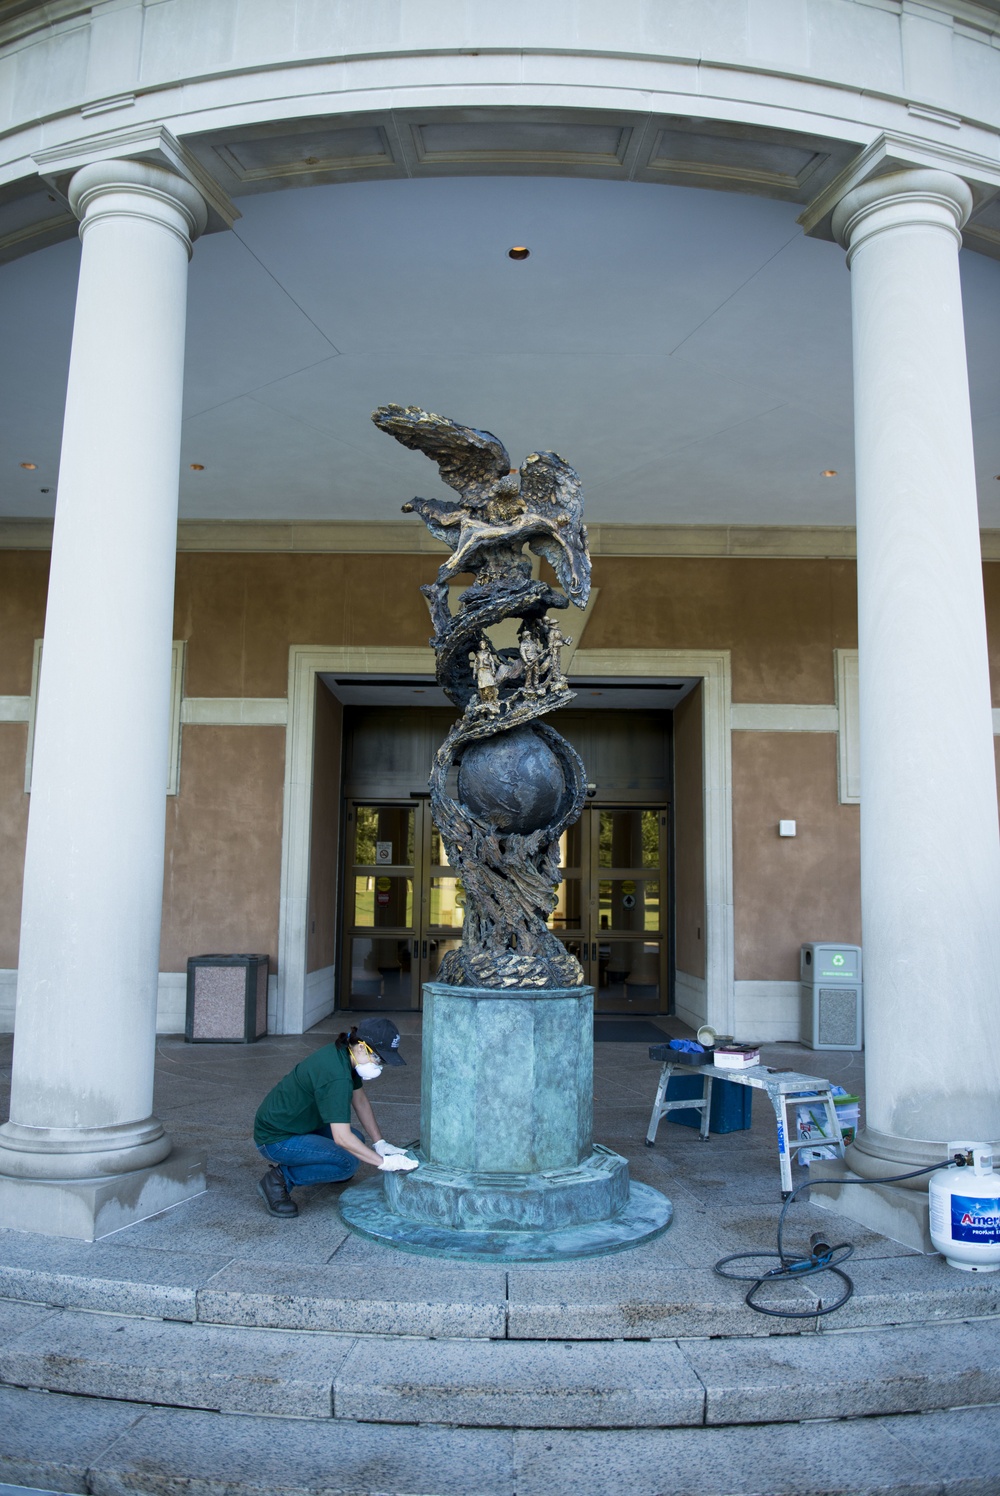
790	889
689	837
24	578
781	620
991	591
240	613
222	862
13	828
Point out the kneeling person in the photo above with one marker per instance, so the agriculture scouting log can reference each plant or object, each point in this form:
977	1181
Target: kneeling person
303	1126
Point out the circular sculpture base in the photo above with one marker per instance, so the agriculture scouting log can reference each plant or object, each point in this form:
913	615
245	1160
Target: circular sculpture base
509	1218
508	1170
436	1195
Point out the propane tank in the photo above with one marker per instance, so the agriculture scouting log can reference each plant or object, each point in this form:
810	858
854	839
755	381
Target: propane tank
965	1209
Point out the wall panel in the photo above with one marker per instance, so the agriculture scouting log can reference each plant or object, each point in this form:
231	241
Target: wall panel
13	829
781	619
239	613
24	579
223	845
789	890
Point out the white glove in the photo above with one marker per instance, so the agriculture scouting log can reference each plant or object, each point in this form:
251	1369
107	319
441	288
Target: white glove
397	1163
387	1150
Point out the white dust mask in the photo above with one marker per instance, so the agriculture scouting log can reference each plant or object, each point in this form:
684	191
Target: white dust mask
365	1061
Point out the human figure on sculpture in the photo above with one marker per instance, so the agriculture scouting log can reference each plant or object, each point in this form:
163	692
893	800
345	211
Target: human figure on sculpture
532	653
485	668
555	679
303	1125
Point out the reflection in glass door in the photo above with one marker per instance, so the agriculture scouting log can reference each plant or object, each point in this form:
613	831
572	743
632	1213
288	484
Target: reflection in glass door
379	925
404	905
612	909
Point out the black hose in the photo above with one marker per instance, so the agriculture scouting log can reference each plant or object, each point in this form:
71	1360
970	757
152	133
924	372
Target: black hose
822	1257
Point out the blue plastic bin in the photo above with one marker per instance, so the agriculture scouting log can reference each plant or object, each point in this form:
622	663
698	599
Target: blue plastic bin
730	1110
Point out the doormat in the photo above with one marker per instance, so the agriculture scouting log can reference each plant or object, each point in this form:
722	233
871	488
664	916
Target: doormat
616	1031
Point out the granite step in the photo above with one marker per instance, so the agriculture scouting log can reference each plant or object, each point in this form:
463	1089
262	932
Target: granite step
64	1443
466	1383
393	1295
388	1296
176	1364
631	1303
426	1298
671	1383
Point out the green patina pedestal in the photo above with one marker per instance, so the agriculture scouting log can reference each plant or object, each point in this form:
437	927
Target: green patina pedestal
509	1171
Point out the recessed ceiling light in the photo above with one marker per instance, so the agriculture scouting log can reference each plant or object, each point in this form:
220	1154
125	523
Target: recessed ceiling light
197	467
828	473
519	252
30	466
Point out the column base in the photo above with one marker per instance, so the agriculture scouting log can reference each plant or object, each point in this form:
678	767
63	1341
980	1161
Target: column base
440	1212
903	1215
878	1155
60	1153
91	1208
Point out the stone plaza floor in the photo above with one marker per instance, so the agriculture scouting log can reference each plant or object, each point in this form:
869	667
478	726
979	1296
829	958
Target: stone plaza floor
340	1365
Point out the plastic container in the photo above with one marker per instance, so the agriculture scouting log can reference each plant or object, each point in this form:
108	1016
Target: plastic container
965	1211
729	1111
811	1122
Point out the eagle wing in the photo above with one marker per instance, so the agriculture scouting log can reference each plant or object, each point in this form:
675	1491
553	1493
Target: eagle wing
553	492
468	460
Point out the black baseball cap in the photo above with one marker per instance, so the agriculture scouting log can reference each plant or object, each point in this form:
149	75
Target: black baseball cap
382	1035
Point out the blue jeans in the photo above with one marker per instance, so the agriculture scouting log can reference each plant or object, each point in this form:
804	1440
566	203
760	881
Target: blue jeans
311	1158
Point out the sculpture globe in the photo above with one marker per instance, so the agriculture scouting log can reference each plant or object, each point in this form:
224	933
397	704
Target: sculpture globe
513	780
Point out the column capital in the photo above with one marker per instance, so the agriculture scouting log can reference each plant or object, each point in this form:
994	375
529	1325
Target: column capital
921	195
138	189
151	144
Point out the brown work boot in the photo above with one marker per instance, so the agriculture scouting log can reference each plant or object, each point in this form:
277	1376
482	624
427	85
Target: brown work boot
274	1193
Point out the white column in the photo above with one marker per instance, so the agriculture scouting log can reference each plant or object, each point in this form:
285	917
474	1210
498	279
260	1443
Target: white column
81	1098
930	850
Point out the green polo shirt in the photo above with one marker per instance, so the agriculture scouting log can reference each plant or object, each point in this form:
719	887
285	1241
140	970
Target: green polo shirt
317	1092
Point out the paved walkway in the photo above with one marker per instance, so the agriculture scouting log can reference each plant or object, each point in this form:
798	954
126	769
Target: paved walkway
341	1365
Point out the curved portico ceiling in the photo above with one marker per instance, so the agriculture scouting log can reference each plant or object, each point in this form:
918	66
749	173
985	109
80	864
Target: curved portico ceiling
624	146
688	350
792	165
789	164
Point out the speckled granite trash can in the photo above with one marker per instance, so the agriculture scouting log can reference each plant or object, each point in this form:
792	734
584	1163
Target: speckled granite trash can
509	1170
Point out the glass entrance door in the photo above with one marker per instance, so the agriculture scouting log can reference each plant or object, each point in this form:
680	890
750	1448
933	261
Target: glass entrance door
612	910
403	905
